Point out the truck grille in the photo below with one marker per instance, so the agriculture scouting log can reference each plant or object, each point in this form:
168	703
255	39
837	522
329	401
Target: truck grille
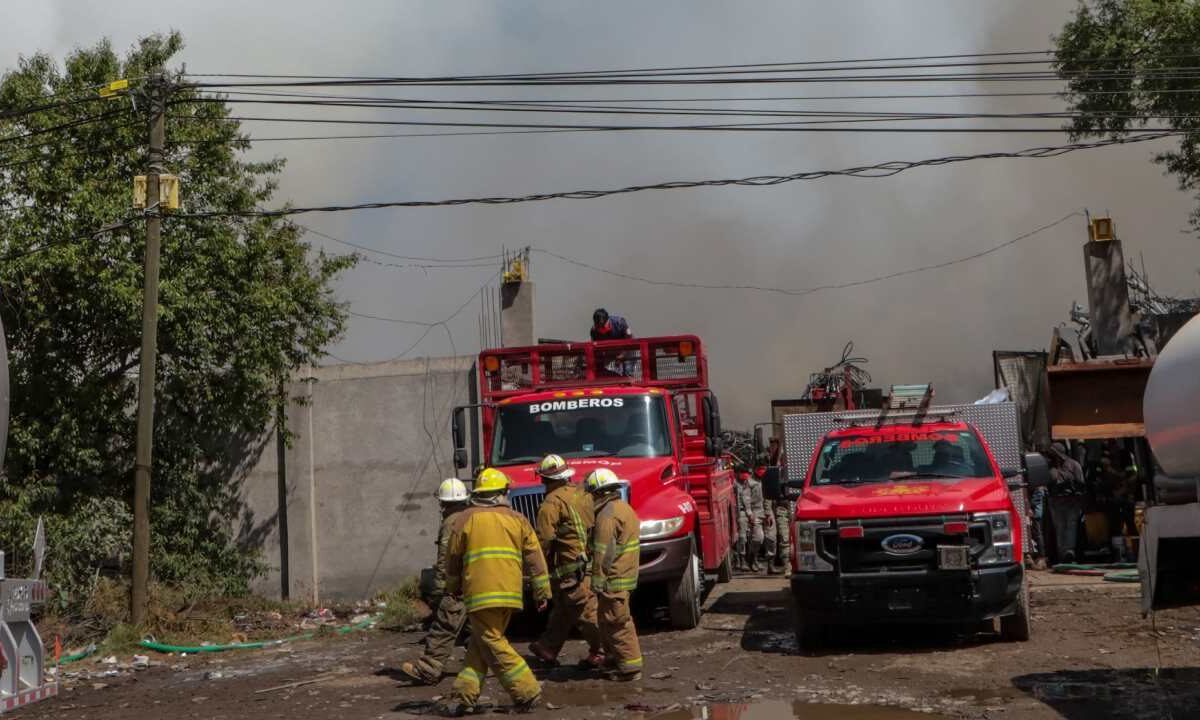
866	554
527	500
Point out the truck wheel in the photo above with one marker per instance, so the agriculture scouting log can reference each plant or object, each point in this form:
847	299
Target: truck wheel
809	636
1015	627
684	595
725	571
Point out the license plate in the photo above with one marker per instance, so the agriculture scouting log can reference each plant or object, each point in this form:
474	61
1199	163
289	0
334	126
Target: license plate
953	557
905	599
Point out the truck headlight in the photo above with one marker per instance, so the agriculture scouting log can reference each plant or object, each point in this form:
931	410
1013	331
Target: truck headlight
807	557
1000	551
655	529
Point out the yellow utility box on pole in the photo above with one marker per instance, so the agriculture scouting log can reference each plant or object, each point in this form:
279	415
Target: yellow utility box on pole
168	192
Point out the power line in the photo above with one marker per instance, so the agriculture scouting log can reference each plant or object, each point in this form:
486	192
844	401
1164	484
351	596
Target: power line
1168	73
18	254
17	113
708	99
318	233
779	126
810	290
63	126
886	169
1007	53
428	327
575	108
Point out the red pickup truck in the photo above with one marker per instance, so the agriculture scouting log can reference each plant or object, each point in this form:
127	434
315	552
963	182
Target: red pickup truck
904	515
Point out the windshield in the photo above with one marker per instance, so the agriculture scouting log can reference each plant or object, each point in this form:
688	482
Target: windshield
618	425
901	456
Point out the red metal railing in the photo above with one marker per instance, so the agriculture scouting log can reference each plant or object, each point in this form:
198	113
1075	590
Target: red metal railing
674	361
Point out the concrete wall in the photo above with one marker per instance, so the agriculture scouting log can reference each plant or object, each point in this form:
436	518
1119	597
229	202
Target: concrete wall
516	314
369	448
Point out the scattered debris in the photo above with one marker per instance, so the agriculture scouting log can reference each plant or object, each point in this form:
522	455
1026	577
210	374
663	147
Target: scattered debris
660	676
301	683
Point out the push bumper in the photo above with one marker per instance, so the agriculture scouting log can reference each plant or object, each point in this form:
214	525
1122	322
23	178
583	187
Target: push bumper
664	559
921	596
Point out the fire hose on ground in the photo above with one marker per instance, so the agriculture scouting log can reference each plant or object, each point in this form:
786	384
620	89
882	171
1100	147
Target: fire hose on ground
151	644
1112	572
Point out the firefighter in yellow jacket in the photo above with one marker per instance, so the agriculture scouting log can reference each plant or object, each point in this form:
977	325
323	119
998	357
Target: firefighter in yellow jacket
491	548
564	523
616	553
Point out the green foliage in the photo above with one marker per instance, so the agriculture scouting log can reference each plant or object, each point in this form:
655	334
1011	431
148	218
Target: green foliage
243	304
401	609
1126	66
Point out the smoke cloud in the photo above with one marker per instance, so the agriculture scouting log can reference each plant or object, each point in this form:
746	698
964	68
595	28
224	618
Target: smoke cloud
939	326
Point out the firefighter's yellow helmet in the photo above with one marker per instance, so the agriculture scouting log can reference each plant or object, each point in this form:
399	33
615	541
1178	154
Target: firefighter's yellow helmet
553	467
600	480
490	480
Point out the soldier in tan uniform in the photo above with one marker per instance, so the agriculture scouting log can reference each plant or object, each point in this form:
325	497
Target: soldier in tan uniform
449	615
616	554
564	524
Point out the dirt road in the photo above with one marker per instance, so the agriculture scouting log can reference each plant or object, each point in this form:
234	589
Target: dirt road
1090	657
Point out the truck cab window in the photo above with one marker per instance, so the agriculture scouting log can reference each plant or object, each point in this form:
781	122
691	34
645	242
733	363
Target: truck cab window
611	426
902	456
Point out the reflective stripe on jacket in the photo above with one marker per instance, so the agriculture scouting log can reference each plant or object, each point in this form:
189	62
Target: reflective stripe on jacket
490	551
616	551
564	522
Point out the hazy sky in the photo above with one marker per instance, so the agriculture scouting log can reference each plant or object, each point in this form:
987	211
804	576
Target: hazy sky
939	326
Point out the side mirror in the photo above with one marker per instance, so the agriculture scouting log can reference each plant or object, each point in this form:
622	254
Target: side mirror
715	419
712	415
1010	472
1037	470
458	431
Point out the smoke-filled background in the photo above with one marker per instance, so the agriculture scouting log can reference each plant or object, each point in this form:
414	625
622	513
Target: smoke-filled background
940	325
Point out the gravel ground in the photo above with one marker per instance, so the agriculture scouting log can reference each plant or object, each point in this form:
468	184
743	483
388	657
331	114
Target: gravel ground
1092	656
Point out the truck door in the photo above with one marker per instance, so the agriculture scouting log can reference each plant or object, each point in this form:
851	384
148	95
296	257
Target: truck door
705	474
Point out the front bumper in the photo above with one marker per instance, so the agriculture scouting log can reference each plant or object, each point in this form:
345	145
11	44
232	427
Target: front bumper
921	596
664	559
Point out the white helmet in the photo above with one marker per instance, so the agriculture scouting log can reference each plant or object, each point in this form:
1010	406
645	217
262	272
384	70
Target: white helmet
452	490
602	480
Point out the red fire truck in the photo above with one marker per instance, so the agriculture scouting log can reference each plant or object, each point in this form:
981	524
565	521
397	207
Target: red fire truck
641	408
913	513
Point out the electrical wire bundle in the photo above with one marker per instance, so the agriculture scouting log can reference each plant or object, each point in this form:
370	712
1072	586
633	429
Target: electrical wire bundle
831	381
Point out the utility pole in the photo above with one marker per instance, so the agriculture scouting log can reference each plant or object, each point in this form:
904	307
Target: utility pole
157	93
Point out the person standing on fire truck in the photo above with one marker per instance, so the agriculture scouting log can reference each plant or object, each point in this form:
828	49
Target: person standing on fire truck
564	523
616	554
609	327
491	549
748	493
449	615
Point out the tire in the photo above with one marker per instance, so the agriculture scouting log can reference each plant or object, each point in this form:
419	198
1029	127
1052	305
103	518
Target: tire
809	636
725	571
1016	627
684	595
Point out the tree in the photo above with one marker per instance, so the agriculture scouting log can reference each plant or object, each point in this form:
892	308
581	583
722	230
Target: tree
1130	65
244	303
